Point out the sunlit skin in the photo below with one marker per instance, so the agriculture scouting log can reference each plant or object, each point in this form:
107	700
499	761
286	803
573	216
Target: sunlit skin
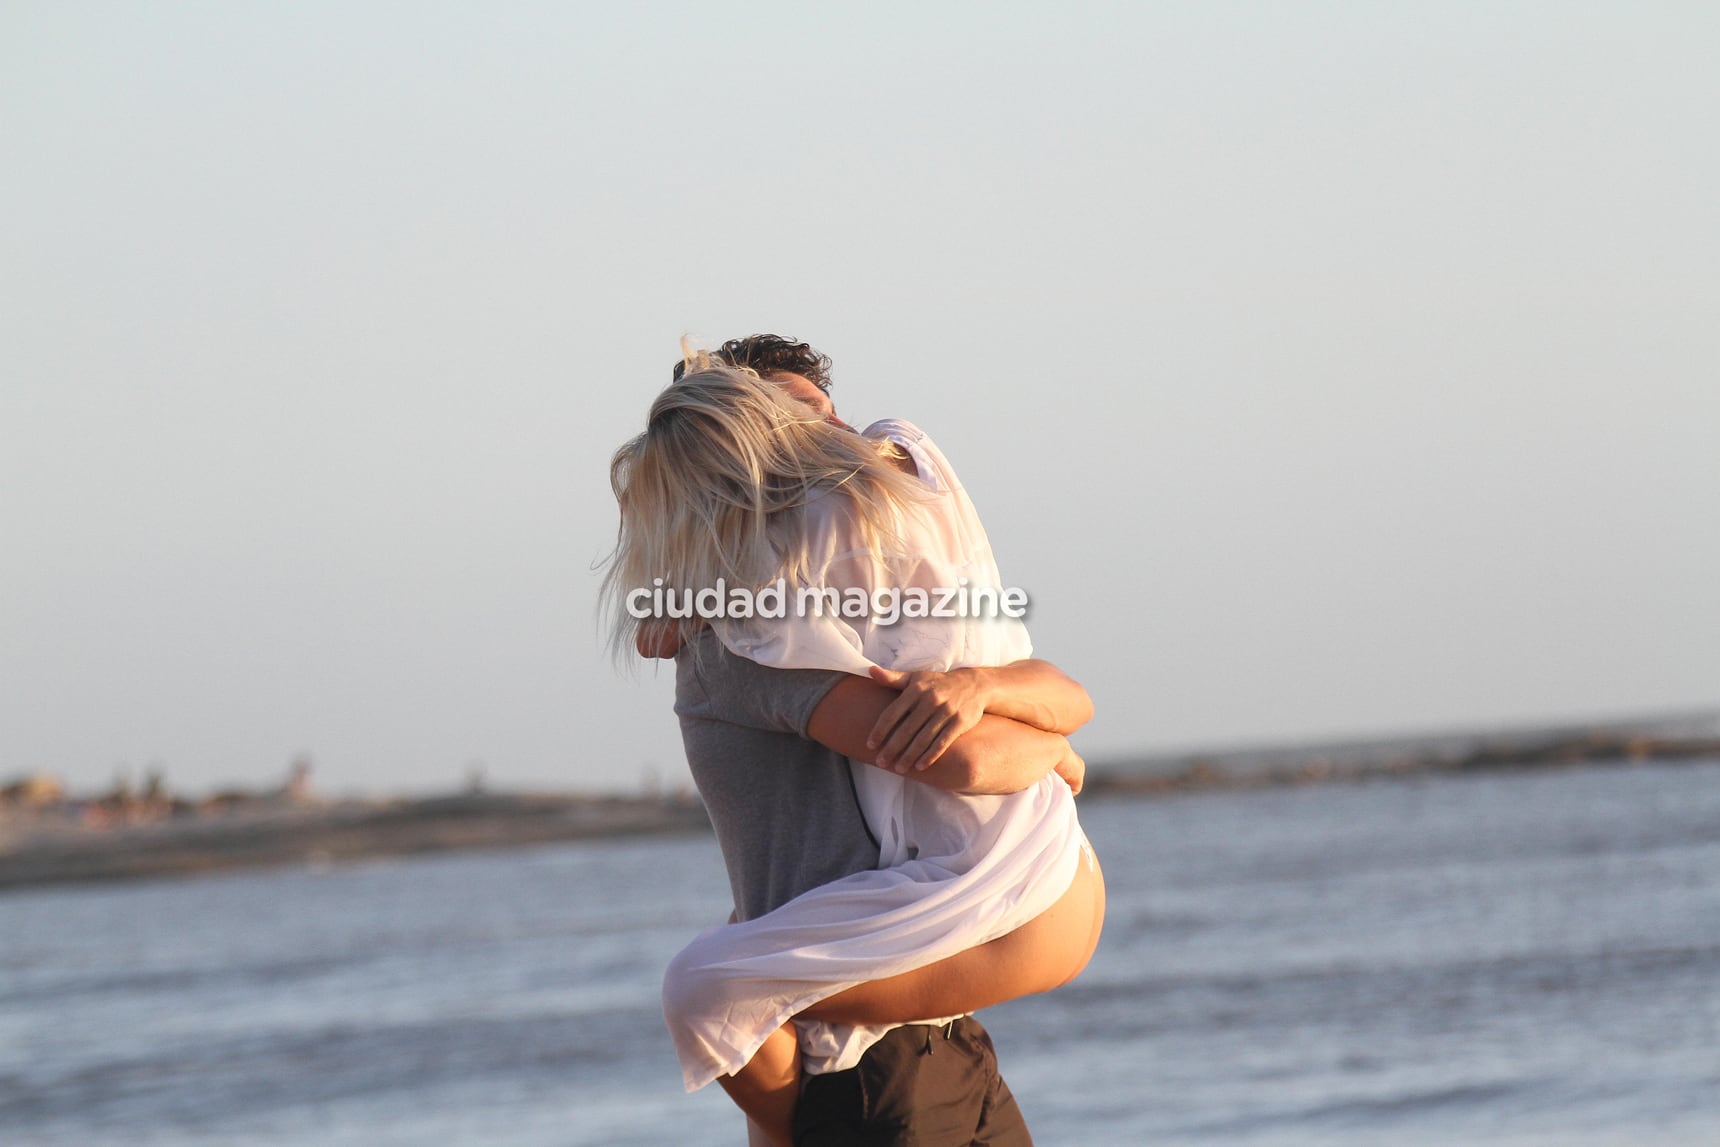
977	729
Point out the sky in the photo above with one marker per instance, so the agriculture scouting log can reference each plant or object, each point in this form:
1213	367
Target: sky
1319	369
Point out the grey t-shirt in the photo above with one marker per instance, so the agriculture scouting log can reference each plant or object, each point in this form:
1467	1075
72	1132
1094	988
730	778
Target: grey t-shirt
783	806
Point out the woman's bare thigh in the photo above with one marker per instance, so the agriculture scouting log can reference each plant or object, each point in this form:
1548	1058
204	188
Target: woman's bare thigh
1044	953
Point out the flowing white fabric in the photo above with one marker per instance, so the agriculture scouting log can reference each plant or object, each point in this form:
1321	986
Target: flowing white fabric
955	871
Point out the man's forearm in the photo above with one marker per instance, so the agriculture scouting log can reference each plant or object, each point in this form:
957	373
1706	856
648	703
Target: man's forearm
998	755
1035	693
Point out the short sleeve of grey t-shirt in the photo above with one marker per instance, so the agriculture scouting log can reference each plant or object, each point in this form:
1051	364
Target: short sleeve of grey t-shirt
784	808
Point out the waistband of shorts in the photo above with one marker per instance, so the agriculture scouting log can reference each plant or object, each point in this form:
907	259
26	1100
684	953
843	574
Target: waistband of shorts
947	1025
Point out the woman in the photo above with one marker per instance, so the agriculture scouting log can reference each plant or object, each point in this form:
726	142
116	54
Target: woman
980	899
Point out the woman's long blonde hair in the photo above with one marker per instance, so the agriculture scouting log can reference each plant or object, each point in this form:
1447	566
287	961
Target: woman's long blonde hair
715	487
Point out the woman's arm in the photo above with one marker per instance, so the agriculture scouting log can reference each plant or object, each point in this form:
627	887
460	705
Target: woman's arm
934	709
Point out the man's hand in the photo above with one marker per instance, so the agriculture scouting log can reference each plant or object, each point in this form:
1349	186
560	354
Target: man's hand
931	710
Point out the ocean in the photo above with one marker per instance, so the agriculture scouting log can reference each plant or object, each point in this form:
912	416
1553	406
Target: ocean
1514	959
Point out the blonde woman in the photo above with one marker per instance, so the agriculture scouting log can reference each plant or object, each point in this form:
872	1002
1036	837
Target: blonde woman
744	483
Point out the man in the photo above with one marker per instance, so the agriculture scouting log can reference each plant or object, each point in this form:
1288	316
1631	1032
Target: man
770	750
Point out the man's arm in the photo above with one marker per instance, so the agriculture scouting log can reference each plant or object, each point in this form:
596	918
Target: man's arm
996	755
934	709
1036	693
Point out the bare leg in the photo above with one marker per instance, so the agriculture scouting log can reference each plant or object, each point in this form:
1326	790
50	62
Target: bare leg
1046	952
768	1086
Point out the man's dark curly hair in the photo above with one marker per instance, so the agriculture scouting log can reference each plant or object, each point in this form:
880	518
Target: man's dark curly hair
772	354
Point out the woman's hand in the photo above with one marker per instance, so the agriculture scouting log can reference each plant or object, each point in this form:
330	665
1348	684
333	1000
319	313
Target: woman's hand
930	712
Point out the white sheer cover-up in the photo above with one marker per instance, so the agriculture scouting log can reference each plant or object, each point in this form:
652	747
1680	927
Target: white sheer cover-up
954	871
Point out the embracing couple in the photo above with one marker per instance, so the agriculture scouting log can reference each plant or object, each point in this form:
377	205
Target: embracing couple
893	796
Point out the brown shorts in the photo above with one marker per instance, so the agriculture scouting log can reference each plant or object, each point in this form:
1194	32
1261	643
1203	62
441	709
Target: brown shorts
919	1086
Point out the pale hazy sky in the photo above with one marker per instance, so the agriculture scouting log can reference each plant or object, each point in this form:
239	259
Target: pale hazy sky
1320	369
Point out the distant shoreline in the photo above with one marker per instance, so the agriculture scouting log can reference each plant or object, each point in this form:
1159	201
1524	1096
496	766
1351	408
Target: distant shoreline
1204	774
1358	761
44	848
327	833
